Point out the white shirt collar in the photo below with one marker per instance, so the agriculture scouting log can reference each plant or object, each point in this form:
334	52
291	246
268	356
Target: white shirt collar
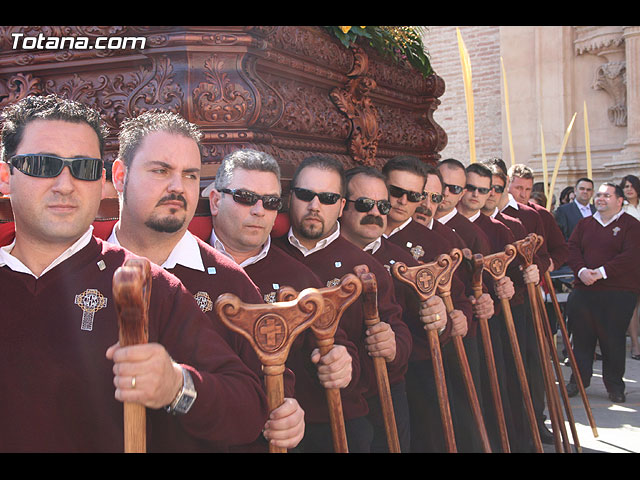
17	266
430	226
495	212
318	246
598	217
373	246
443	220
475	216
511	203
584	209
398	228
218	245
185	253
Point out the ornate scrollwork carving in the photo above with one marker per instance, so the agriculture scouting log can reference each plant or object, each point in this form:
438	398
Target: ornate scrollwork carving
17	87
611	77
219	99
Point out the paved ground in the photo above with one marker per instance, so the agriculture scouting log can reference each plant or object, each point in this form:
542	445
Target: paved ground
618	425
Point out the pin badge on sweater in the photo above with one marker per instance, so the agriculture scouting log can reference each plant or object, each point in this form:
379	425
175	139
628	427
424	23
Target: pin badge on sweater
615	231
90	301
204	301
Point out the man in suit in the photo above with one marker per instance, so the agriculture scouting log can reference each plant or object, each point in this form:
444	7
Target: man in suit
569	214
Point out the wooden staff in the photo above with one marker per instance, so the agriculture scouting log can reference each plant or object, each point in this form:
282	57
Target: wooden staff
496	265
559	377
336	300
371	318
131	293
476	264
423	279
572	358
444	291
526	249
271	329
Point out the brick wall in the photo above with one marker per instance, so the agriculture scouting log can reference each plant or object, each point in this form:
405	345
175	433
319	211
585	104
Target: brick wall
483	46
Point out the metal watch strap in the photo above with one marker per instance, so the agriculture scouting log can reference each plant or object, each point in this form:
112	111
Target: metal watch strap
186	396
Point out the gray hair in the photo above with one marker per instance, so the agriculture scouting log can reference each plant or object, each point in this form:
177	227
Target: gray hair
246	159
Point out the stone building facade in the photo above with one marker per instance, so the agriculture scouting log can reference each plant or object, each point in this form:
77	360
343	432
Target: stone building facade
551	71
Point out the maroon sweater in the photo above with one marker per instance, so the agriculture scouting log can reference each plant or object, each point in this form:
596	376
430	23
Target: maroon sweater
473	236
532	224
554	238
415	239
59	394
517	230
279	269
333	262
615	247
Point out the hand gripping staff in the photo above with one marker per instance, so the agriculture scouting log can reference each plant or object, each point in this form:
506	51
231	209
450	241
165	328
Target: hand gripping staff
496	265
444	291
271	329
527	248
371	318
423	279
131	293
476	265
336	299
572	358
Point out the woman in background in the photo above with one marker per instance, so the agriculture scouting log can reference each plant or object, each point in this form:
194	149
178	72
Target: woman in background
631	188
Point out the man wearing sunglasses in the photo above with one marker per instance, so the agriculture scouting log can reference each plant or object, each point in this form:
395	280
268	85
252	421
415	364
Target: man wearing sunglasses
496	206
408	173
362	222
316	203
245	199
454	180
68	373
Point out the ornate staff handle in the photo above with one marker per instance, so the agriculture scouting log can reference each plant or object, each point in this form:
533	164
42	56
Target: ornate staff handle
336	300
475	262
131	293
271	329
444	291
371	318
424	279
496	265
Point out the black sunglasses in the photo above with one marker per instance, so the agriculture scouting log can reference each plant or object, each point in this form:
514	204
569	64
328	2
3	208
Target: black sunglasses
364	204
498	188
472	188
455	189
326	198
50	166
246	197
398	192
435	197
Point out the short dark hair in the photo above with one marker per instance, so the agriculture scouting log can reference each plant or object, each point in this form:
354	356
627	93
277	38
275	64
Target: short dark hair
479	169
584	179
497	168
322	162
451	163
618	189
406	163
50	107
134	130
633	180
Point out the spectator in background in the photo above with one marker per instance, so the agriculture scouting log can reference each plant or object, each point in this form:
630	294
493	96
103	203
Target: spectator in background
631	187
569	214
538	198
567	195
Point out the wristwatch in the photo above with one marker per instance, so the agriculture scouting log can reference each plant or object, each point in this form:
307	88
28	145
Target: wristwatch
185	397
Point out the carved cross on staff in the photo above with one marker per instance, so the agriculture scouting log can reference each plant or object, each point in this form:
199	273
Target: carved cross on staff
271	329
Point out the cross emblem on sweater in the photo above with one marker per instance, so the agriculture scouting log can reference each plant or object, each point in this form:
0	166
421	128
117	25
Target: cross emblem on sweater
90	301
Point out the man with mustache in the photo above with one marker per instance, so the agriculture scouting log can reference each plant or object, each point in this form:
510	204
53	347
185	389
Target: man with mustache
362	222
68	374
316	202
244	200
157	177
